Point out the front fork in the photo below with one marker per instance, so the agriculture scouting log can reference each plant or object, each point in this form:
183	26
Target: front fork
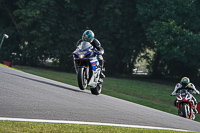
77	64
75	67
87	72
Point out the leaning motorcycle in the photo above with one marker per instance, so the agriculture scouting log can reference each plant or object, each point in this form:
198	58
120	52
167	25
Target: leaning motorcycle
87	68
185	104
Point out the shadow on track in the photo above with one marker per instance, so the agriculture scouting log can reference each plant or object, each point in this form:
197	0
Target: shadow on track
48	83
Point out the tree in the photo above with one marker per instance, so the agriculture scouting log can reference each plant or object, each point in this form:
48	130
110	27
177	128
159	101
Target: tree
52	27
8	25
121	35
174	35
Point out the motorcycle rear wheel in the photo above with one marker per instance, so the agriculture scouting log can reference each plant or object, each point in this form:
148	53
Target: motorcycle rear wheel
82	79
96	90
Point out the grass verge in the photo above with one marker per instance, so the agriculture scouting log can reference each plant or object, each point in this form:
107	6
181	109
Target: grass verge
34	127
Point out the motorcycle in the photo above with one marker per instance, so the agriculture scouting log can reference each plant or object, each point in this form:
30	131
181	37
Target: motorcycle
87	68
185	104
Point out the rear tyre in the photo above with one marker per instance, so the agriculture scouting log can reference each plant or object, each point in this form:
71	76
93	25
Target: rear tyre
96	90
82	79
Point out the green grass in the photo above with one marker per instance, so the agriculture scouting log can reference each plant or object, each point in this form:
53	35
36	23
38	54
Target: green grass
33	127
149	93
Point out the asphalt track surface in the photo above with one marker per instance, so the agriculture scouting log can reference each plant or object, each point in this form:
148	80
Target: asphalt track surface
23	95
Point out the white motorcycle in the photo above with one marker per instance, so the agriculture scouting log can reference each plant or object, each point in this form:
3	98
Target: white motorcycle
87	68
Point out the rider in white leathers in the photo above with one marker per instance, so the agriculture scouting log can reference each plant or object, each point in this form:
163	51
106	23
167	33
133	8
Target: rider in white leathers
185	84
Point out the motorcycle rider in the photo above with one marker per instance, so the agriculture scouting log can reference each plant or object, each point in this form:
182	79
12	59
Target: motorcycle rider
88	36
185	84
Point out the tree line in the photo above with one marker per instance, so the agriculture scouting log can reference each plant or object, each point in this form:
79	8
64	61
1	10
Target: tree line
42	29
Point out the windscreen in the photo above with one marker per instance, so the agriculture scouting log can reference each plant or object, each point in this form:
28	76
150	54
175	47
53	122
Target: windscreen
84	45
184	92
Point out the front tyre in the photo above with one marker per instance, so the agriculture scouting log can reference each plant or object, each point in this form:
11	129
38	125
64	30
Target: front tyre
96	90
184	111
82	79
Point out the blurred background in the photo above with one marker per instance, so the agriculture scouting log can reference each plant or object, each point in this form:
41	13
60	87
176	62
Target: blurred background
154	38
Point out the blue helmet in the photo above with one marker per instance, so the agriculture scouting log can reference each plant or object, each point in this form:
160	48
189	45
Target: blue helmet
88	35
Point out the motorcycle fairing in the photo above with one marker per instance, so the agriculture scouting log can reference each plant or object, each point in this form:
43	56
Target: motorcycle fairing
83	51
95	78
94	64
184	101
184	98
86	66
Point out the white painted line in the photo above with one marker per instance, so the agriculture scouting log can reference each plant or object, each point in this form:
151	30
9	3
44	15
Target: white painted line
87	123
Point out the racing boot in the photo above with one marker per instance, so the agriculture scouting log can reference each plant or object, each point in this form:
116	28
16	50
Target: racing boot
195	109
102	75
101	62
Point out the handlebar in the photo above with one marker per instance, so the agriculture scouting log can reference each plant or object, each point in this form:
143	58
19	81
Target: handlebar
189	92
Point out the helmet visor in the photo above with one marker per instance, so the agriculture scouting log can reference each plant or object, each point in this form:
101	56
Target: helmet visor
87	39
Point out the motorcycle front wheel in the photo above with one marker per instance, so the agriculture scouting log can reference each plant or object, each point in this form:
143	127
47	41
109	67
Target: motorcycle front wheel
82	79
184	111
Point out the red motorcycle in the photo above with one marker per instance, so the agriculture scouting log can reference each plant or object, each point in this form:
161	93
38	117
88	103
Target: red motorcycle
185	104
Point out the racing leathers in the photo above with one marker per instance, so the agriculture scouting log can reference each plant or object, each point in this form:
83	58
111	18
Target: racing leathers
190	88
96	44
